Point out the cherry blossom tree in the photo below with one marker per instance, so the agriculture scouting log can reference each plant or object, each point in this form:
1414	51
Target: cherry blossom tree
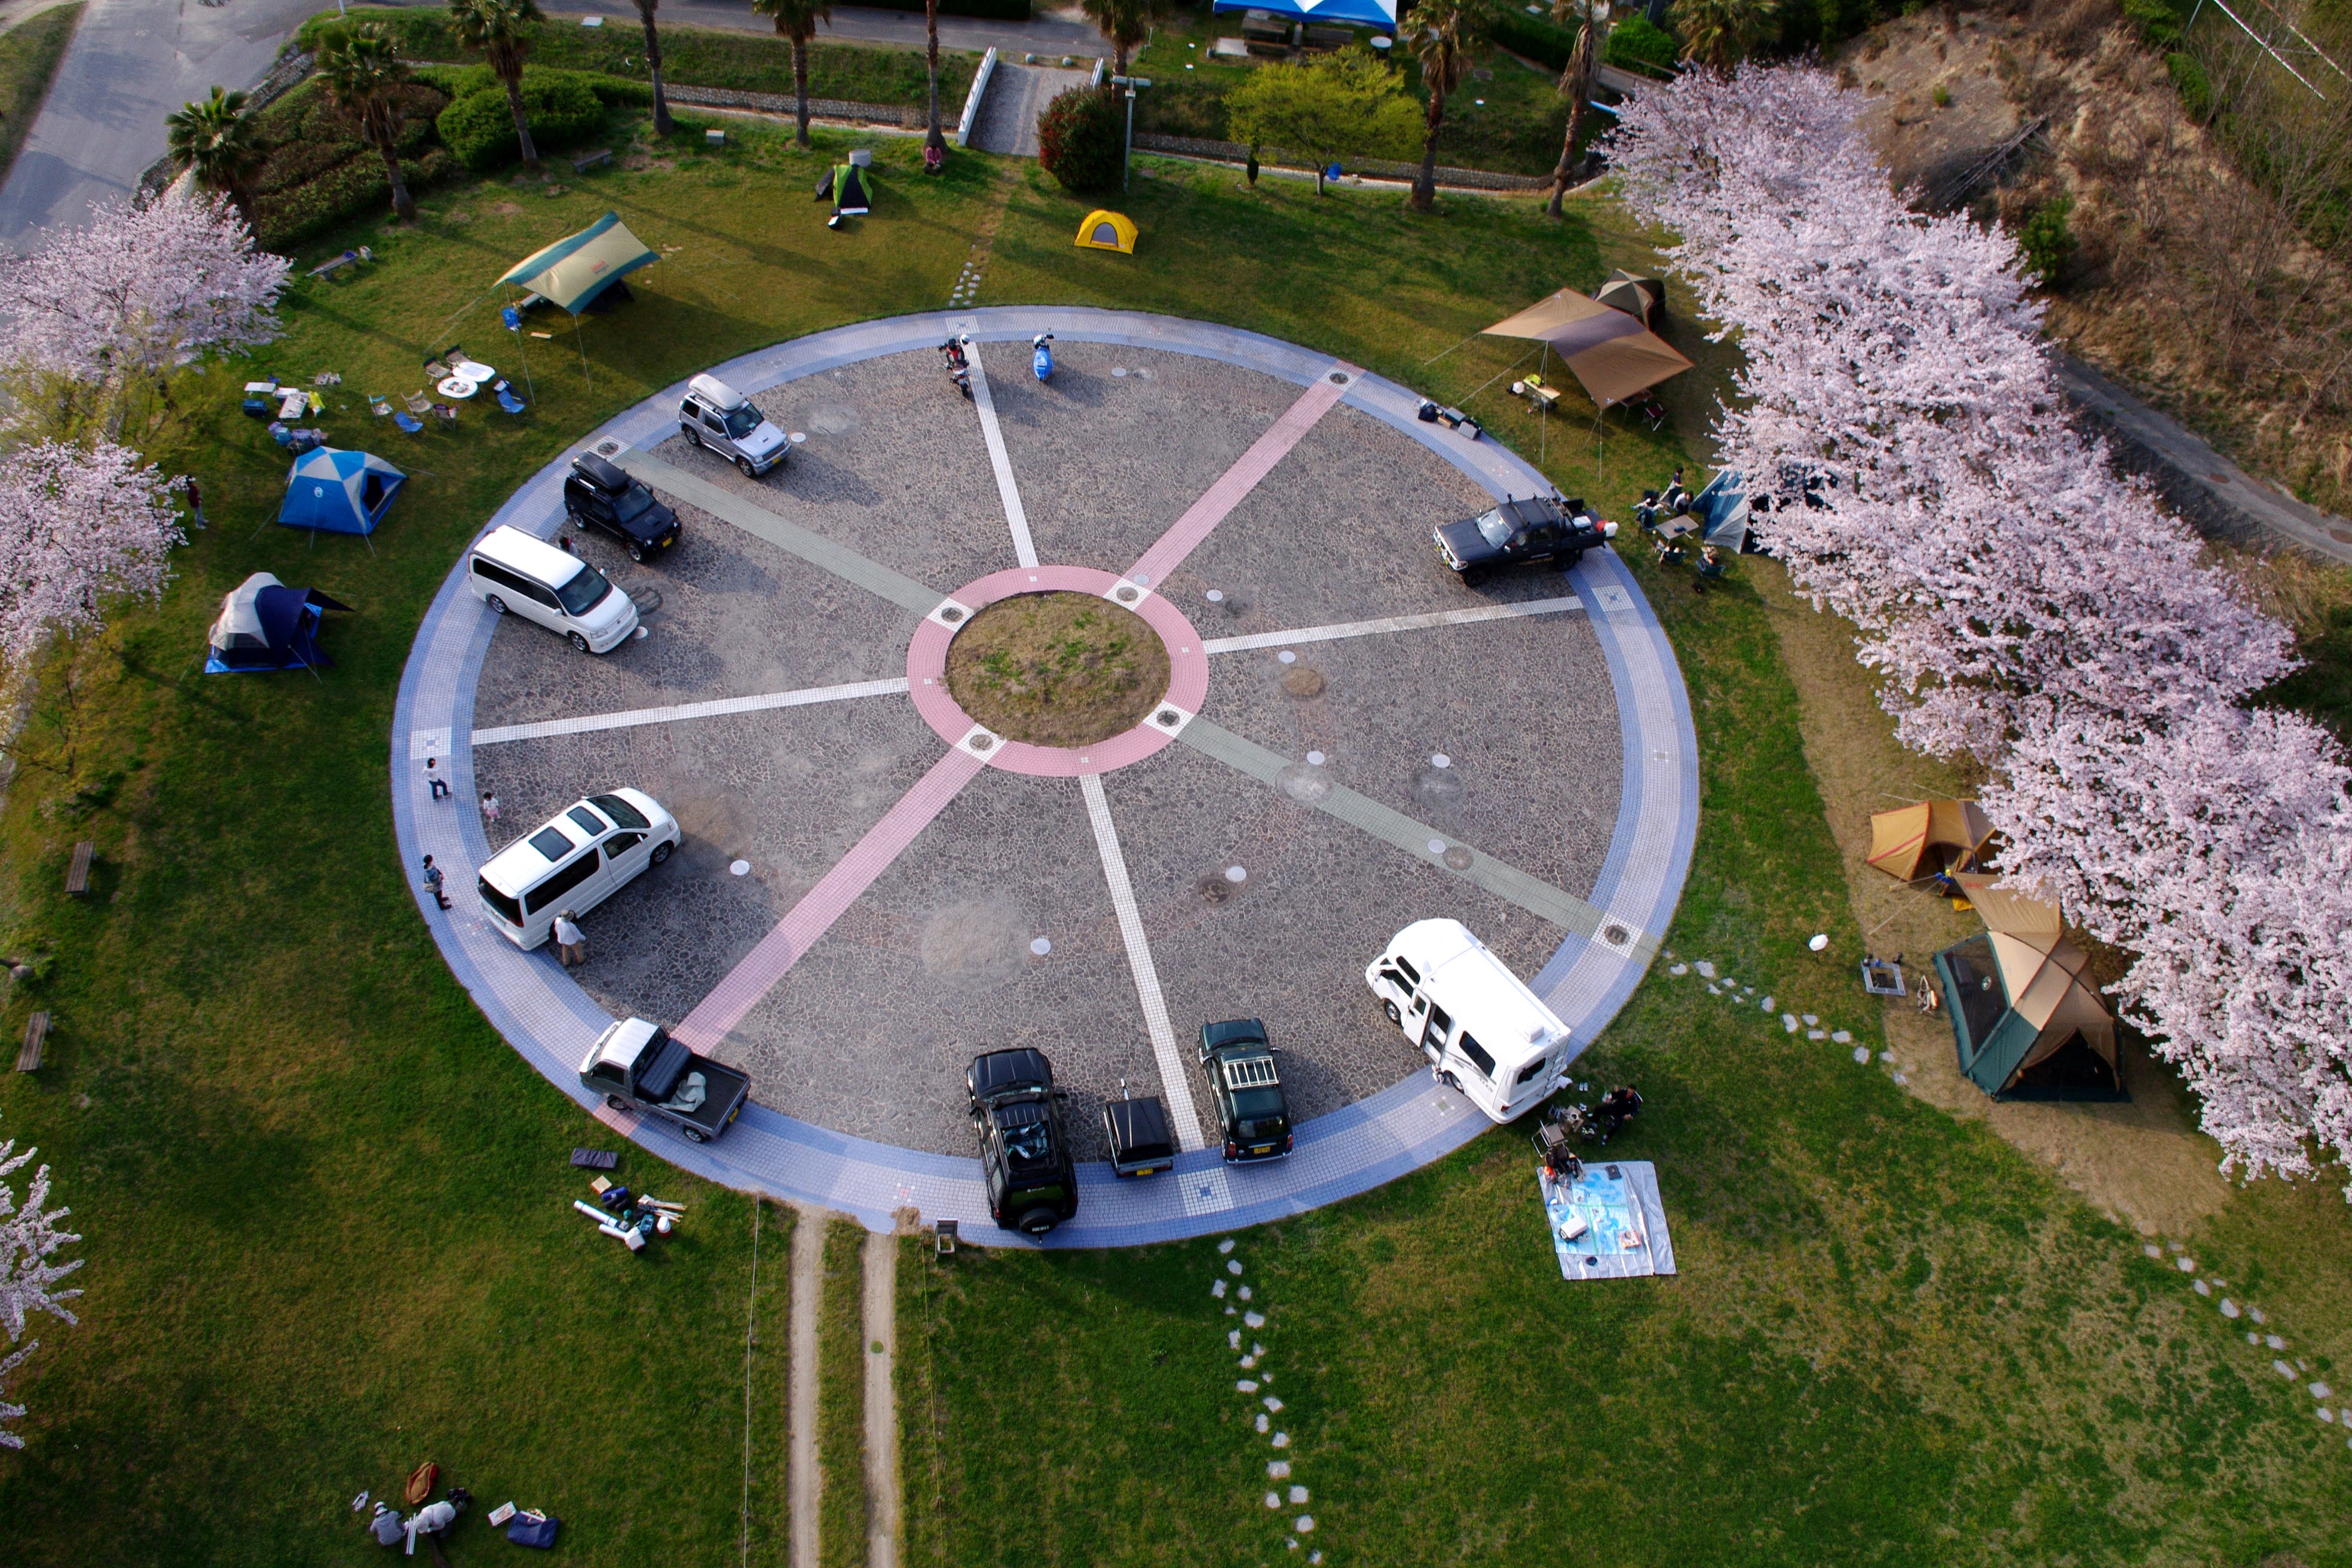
93	312
2025	605
30	1239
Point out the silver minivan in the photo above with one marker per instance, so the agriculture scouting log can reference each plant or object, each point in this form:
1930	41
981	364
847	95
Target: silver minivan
575	860
514	573
713	415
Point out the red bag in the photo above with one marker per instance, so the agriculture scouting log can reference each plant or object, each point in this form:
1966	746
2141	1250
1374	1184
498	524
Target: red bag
420	1484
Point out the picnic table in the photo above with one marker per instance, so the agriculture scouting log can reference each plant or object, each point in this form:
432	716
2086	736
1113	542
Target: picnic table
1541	395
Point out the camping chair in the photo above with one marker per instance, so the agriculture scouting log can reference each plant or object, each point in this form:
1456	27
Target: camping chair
408	423
445	414
378	406
508	400
417	403
438	371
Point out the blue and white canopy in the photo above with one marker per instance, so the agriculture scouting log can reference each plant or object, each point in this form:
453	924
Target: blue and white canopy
1381	13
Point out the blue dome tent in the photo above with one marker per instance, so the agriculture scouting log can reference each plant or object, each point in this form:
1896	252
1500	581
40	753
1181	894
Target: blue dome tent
264	625
339	492
1380	14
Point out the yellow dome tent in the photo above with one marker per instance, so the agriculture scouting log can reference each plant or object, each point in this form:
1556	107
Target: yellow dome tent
1927	837
1105	230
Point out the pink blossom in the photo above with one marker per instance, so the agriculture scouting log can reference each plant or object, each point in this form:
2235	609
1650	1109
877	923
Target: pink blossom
81	526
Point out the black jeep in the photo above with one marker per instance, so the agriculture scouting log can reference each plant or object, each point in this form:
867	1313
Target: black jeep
1024	1150
1253	1116
1540	528
597	494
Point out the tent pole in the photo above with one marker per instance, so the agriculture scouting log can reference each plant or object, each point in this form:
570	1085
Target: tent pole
1543	426
583	353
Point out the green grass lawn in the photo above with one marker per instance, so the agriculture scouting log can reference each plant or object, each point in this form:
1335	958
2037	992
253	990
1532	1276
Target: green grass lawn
695	57
326	1208
29	52
841	1398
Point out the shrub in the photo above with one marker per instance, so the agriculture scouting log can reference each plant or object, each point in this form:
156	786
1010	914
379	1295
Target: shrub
318	174
2189	79
1635	43
1941	94
1081	139
1539	38
2047	242
564	110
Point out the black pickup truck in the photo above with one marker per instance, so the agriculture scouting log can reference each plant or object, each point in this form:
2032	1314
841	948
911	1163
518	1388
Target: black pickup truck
635	1066
1024	1150
1517	533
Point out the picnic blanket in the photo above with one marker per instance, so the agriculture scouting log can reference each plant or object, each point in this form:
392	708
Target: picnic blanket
1624	1223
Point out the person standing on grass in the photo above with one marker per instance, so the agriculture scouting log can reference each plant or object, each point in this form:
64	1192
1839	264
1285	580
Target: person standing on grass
433	882
570	941
435	777
196	504
490	809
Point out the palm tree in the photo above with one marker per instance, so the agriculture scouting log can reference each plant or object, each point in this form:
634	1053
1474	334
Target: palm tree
363	77
1720	33
1442	31
797	20
218	139
653	66
1126	23
1576	86
932	140
501	30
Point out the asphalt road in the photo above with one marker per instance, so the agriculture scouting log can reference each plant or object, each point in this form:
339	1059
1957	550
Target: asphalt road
135	61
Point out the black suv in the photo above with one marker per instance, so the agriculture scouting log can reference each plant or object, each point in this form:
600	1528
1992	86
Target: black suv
1540	528
1253	1116
1024	1150
598	495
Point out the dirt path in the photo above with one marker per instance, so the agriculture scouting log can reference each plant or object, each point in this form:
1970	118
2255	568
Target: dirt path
808	1283
881	1314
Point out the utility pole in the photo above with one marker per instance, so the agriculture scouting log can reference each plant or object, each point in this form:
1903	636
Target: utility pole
1127	153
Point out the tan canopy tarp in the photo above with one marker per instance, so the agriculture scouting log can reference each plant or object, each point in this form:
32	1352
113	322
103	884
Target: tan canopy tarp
1932	836
2052	994
1609	351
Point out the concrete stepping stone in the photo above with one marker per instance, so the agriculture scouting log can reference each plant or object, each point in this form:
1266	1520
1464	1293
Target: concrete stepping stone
1224	1246
1254	1319
1276	1469
1245	1385
1788	1023
1234	1266
1245	1294
1705	969
1840	1037
1862	1055
1218	1289
1298	1494
1281	1439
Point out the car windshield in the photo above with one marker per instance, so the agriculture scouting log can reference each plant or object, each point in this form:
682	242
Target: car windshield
585	592
633	503
1257	1104
619	810
1027	1139
741	422
1493	529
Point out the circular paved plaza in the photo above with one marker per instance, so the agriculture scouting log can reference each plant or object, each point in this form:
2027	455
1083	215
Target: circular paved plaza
875	886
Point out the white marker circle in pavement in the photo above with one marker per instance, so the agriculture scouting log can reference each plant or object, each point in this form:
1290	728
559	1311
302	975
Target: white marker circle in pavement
1441	761
1287	657
1215	595
1237	874
1041	946
1314	759
740	868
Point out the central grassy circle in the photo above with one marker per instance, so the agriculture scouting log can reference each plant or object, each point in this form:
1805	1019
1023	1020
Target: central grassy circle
1057	669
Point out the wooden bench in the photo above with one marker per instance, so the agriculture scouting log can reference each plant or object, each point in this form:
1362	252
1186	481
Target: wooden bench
587	161
77	873
36	1035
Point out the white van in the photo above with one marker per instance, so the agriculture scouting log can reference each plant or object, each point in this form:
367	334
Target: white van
579	858
714	415
512	572
1481	1029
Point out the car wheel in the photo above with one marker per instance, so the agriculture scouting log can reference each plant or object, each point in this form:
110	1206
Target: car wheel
1473	577
1037	1222
695	1134
1568	563
693	436
578	641
497	606
745	464
660	853
615	1102
637	551
1396	1014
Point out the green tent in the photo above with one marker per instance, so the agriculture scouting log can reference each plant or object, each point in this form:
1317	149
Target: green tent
574	271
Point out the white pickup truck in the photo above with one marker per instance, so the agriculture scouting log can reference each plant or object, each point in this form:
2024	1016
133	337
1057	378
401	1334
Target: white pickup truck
635	1066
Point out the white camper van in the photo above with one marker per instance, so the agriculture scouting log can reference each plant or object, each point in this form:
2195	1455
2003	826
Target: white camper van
513	573
578	859
1473	1019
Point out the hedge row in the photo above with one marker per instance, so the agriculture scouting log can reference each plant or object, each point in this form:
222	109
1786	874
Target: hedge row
317	174
565	109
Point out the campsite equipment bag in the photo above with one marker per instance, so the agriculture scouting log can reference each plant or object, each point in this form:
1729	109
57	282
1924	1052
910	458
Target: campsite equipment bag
420	1484
529	1531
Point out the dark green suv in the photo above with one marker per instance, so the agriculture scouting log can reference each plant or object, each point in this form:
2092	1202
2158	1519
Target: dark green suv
1024	1150
1246	1088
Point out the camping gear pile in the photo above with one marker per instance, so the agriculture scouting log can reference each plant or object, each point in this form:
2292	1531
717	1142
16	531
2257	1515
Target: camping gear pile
630	1219
263	624
434	1520
2027	1018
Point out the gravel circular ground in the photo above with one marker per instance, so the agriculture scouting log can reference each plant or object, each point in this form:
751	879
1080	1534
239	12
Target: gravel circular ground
941	957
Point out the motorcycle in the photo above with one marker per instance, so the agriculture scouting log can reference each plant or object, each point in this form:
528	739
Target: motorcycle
1040	357
959	364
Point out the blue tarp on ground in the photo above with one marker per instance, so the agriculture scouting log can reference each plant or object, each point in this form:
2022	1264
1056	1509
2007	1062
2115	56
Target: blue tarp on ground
1721	510
337	492
264	625
1381	13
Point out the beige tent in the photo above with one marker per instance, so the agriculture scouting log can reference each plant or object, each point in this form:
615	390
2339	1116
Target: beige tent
1926	837
1609	351
1643	298
2027	1018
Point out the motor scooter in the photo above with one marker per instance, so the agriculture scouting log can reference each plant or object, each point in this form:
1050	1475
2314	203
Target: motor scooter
959	364
1040	357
